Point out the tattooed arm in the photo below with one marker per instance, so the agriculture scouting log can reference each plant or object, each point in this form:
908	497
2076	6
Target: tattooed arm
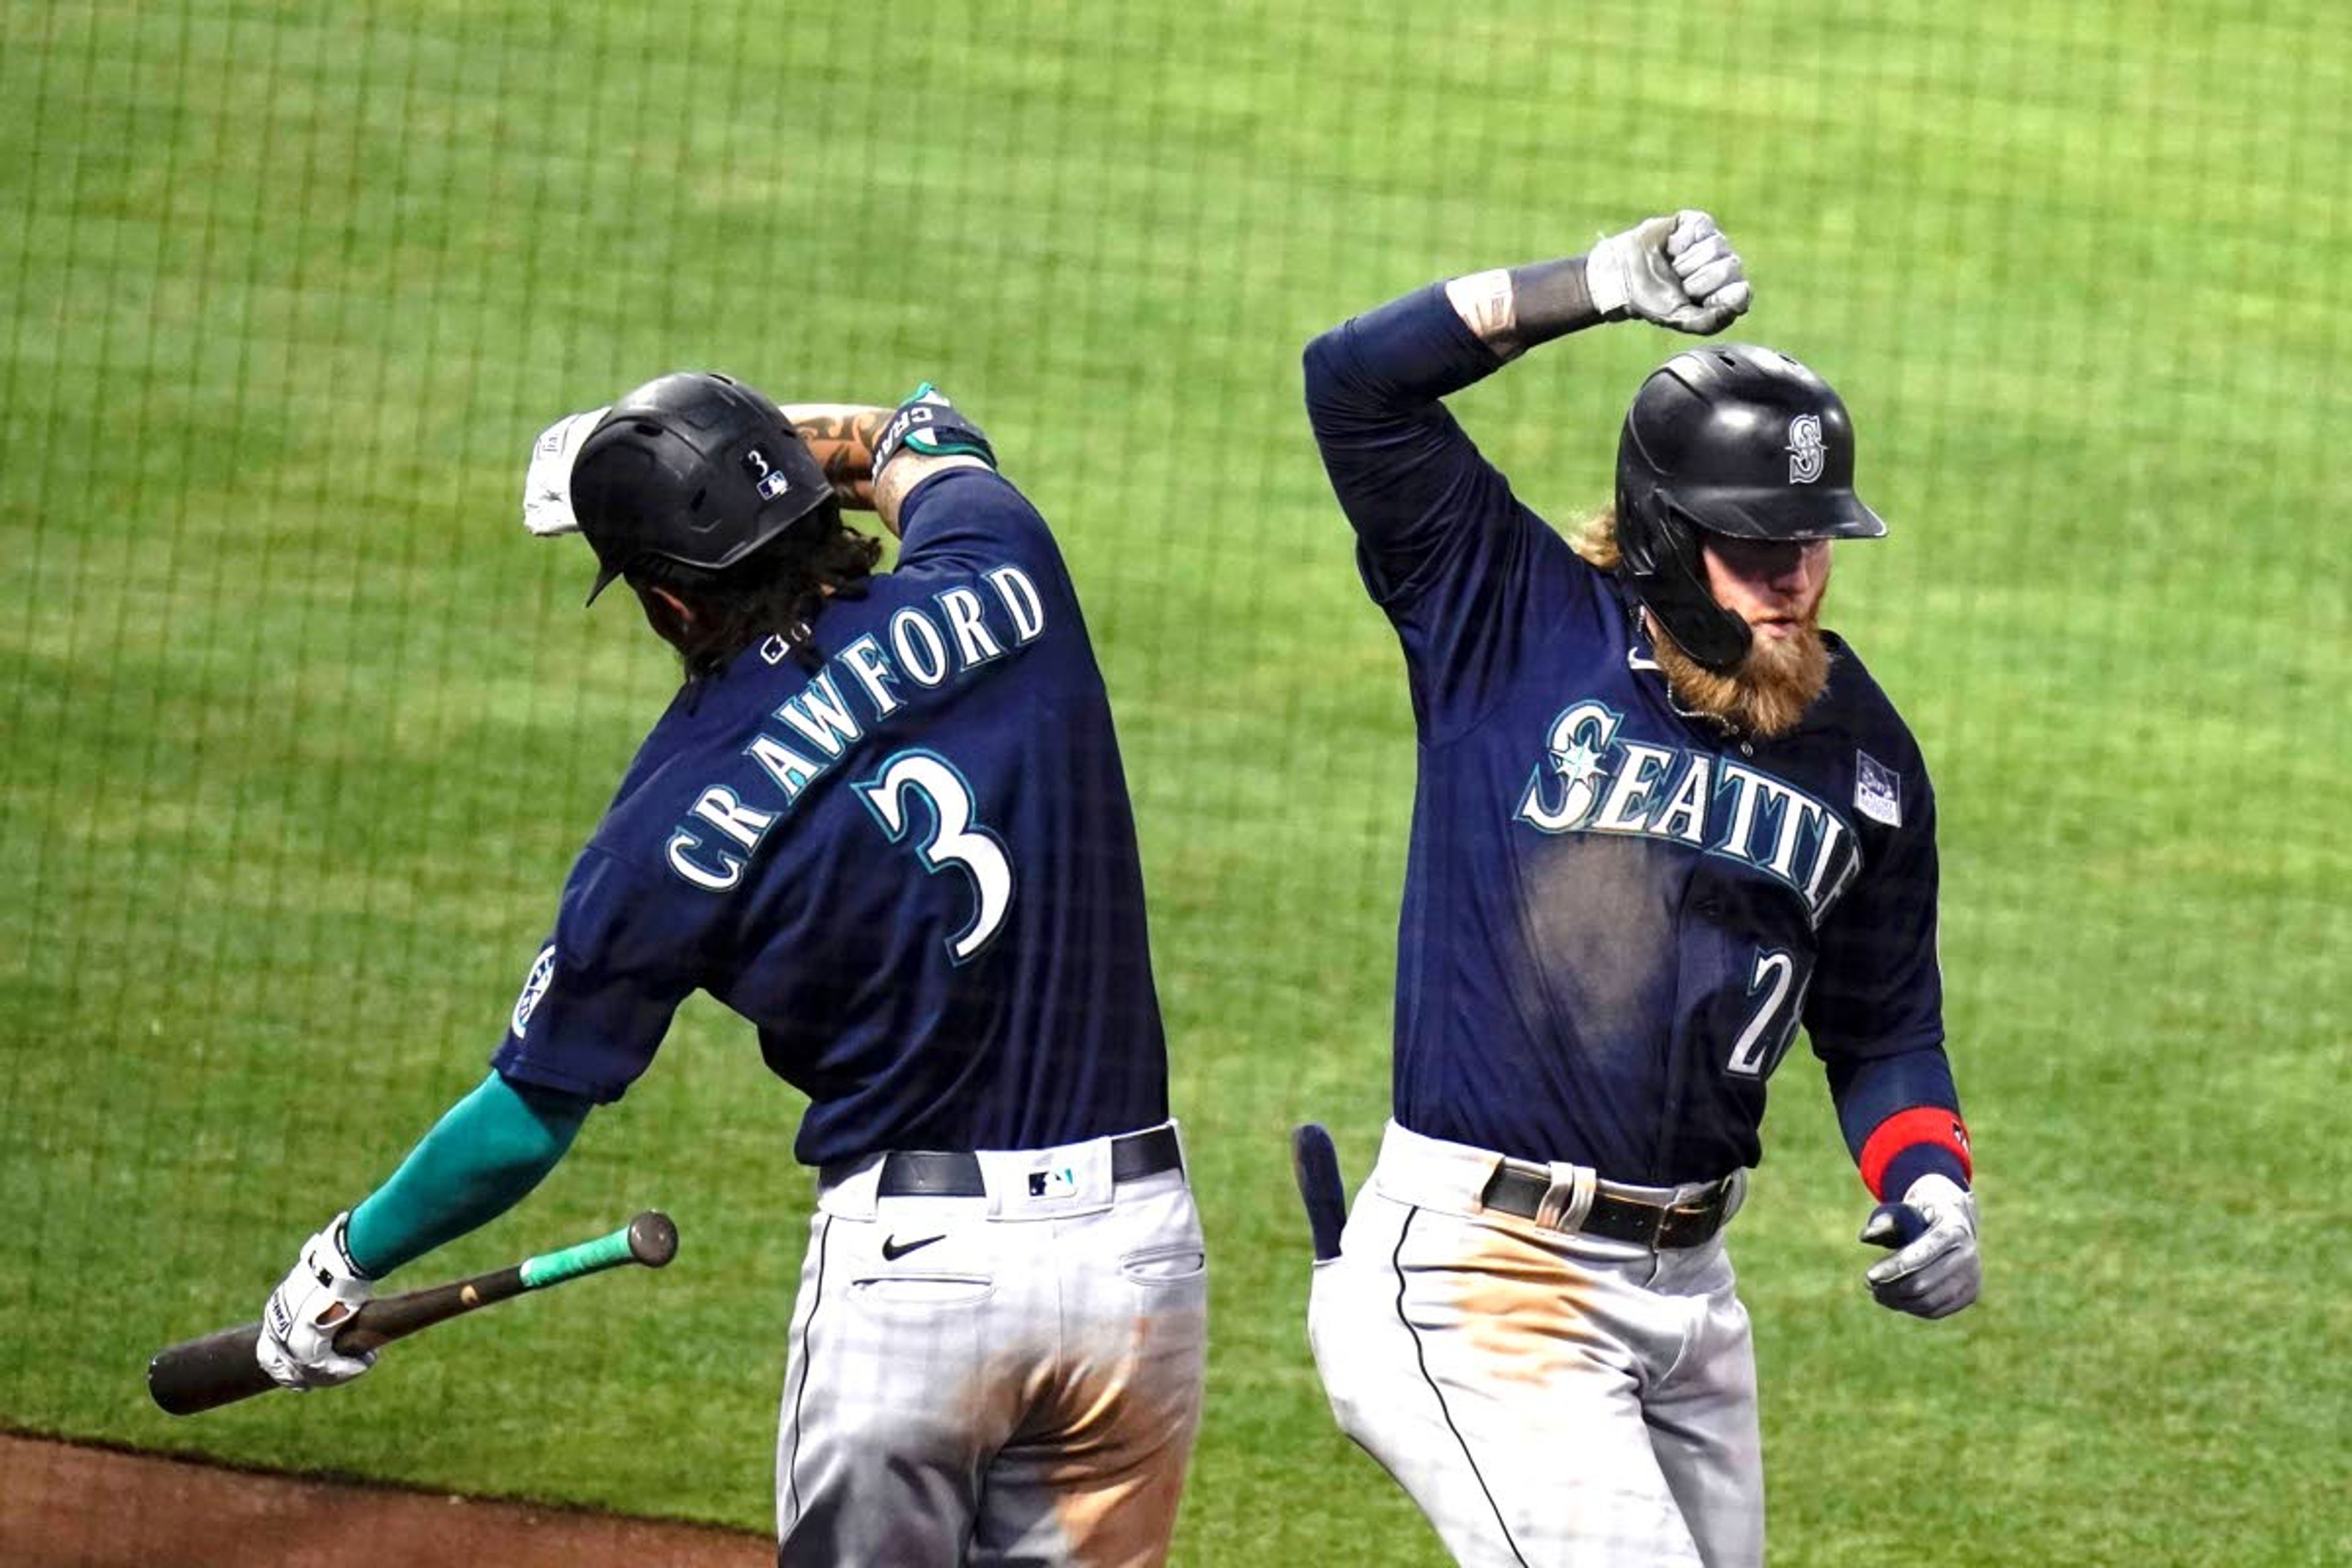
843	434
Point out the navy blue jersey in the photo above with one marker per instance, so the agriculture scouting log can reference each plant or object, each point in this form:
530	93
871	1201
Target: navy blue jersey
914	869
1615	916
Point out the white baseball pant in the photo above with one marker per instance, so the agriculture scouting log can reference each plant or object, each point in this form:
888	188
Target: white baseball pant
1007	1378
1550	1400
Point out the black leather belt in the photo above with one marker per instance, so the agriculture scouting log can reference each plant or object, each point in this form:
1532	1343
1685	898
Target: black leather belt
1520	1189
925	1173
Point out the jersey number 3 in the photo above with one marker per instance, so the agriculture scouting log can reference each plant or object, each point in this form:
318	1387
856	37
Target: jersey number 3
955	840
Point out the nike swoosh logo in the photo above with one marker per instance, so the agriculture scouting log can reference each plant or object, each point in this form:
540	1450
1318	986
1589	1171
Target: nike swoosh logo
893	1249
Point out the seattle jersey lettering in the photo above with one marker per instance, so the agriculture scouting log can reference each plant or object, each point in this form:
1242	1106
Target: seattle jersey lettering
865	683
1596	783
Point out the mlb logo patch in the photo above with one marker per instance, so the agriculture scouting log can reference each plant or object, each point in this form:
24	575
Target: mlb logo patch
765	477
1877	790
1057	1184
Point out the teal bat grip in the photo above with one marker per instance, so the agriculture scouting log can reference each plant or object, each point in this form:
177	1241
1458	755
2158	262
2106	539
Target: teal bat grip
650	1239
555	1267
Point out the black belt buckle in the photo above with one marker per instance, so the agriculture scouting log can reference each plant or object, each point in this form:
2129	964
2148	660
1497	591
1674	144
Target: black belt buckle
1683	1224
1688	1225
1658	1227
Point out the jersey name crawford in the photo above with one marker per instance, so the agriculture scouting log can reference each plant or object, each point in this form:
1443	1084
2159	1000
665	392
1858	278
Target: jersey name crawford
1593	782
823	722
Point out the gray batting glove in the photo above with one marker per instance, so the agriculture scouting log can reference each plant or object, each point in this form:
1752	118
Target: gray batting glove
1937	1273
1679	271
298	1323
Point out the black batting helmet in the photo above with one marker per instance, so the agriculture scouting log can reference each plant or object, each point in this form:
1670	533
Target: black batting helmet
692	469
1734	440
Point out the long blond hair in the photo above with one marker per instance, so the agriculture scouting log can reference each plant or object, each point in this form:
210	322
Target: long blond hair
1594	540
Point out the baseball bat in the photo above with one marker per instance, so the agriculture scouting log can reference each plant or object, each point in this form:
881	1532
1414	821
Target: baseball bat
220	1369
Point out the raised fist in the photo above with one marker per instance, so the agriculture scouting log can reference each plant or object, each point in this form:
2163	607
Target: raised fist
1679	271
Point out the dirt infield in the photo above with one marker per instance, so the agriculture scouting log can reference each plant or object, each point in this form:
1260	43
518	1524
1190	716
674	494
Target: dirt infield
97	1508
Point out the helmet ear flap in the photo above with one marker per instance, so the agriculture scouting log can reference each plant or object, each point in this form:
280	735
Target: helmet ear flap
1659	560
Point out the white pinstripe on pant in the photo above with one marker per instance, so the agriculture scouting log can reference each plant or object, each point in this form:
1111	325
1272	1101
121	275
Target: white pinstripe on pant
1020	1383
1550	1400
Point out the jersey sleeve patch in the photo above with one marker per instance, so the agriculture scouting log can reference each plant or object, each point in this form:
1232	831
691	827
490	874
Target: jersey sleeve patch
600	994
1877	790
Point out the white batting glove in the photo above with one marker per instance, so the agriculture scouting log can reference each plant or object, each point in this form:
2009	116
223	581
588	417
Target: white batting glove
1678	271
300	1320
1937	1272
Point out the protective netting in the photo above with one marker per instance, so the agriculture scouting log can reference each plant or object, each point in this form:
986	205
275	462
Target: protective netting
303	732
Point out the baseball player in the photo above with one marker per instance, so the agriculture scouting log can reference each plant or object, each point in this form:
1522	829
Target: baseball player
885	820
1663	820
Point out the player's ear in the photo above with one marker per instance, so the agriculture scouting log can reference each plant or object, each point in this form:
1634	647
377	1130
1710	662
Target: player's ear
671	617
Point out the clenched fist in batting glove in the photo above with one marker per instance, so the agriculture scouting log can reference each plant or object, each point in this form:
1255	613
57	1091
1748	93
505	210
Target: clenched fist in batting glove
299	1321
1936	1270
1679	271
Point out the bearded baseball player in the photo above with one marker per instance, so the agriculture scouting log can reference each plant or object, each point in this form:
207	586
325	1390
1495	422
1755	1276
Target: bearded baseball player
1663	821
885	820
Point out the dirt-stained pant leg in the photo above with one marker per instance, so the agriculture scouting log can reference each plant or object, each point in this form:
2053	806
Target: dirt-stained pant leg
1497	1371
964	1389
1095	1474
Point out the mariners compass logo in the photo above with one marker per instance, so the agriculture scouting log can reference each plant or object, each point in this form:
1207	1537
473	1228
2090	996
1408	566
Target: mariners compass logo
1807	451
534	986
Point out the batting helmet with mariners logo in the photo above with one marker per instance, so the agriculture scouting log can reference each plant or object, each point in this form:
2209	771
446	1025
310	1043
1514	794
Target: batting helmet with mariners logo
692	470
1734	440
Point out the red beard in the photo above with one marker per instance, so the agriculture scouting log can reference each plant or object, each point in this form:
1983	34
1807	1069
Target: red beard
1770	690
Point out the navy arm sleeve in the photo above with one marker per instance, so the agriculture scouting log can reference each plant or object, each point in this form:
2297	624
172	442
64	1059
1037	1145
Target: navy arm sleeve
1900	1118
1407	477
1877	988
1876	1017
1444	546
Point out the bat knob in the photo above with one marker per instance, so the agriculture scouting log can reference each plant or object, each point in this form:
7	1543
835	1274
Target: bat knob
1894	1225
1316	1165
652	1239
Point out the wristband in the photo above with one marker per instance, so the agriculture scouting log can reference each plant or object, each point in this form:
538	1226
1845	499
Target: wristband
927	424
1906	1130
1554	299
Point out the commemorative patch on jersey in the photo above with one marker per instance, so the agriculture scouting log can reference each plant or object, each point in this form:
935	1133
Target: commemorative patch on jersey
534	986
1877	790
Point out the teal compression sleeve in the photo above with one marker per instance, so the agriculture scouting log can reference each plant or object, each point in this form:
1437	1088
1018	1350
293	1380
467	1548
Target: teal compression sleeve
490	1150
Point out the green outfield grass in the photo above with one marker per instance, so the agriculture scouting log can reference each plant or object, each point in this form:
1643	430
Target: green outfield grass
302	731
